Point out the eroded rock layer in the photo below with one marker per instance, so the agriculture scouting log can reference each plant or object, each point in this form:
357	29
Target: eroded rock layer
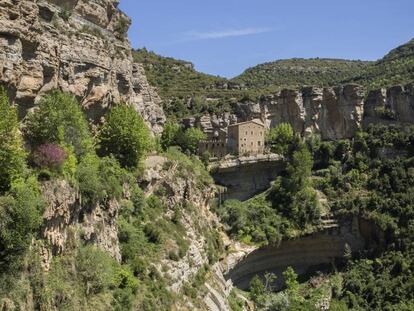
304	254
77	46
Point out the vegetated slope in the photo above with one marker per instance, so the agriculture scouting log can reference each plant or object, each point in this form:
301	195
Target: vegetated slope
397	67
185	91
299	72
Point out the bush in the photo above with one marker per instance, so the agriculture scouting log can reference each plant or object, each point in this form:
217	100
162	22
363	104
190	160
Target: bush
99	179
59	120
12	155
279	138
170	135
125	136
20	217
49	156
190	139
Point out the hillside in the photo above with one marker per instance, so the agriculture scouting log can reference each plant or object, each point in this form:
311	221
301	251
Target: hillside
187	92
299	72
397	67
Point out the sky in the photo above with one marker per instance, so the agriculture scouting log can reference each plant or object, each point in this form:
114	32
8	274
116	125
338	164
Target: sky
225	37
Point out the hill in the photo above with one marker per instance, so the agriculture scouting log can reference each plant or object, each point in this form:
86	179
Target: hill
397	67
299	72
187	92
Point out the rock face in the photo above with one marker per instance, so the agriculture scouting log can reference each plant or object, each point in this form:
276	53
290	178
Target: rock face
65	216
77	46
391	106
305	254
333	113
247	176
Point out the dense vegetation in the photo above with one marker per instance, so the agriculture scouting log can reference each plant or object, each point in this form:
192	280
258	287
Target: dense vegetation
396	68
187	92
298	72
102	168
288	209
372	177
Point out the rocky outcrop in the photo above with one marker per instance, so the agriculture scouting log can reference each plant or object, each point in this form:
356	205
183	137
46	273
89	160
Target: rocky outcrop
333	113
244	177
390	106
76	46
65	217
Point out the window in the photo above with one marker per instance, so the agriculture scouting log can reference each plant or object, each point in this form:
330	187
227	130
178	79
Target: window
252	143
259	143
252	133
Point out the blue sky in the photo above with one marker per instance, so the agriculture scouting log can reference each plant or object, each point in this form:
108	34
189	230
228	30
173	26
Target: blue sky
225	37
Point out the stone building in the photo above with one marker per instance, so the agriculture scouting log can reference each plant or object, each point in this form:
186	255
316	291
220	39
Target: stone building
246	138
215	145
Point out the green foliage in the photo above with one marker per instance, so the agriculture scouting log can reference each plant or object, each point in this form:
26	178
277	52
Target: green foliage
12	155
395	68
125	136
122	26
99	179
190	139
60	120
20	217
298	72
279	138
293	195
170	135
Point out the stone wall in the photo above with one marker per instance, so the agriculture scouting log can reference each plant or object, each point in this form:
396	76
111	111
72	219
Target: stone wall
77	46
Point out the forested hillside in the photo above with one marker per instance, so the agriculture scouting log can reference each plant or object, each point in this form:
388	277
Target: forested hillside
397	67
298	72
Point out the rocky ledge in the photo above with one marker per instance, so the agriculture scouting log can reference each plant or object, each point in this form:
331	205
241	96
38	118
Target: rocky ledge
77	46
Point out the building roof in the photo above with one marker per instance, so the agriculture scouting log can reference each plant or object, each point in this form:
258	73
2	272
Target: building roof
256	121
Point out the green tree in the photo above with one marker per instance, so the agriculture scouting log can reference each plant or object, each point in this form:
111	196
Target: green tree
59	119
279	138
190	139
20	217
170	135
257	288
125	136
292	284
12	155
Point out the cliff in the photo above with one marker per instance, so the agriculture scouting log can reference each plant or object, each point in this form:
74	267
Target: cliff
77	46
331	112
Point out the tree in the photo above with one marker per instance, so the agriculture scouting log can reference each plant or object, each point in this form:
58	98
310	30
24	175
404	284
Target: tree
12	154
125	136
279	138
257	288
170	135
20	216
59	120
190	139
292	284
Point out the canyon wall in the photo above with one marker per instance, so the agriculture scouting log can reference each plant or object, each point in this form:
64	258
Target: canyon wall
76	46
332	112
305	255
245	177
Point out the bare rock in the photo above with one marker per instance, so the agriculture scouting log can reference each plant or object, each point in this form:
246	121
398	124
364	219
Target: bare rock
75	46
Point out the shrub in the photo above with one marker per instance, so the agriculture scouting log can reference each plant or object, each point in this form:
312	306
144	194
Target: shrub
170	135
12	155
99	179
49	156
125	136
59	120
279	138
20	217
190	139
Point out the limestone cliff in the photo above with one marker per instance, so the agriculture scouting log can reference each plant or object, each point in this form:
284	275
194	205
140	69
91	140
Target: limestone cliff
77	46
332	112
